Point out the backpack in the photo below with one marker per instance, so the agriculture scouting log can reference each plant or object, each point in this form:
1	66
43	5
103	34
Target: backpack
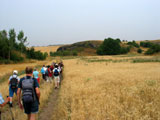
46	72
14	82
56	73
42	71
28	94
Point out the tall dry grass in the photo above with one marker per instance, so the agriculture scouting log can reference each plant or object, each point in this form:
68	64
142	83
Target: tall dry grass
109	91
47	49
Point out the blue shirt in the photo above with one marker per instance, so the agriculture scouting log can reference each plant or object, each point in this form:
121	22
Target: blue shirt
35	74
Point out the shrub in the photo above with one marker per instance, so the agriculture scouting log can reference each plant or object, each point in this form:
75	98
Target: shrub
139	50
75	53
111	47
155	48
133	43
146	44
125	50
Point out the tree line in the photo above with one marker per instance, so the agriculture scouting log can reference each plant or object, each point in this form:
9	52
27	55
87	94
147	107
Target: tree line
13	47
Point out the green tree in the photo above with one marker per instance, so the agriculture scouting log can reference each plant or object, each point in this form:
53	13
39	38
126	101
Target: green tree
22	40
12	39
3	44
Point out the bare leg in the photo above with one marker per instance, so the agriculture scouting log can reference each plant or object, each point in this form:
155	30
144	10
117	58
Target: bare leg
33	117
10	100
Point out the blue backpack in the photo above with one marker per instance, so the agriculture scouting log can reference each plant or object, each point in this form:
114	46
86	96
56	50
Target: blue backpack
56	73
42	71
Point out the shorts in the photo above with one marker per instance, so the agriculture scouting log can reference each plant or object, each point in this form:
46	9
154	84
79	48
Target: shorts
31	108
57	79
12	91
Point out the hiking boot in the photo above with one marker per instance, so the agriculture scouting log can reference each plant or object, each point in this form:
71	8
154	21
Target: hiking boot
10	105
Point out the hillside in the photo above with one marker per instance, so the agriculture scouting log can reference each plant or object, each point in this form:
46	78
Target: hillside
155	41
47	49
88	48
83	48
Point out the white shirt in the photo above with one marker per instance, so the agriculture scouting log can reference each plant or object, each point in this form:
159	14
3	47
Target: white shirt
14	76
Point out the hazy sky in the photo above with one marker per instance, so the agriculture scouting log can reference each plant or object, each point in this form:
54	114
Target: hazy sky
47	22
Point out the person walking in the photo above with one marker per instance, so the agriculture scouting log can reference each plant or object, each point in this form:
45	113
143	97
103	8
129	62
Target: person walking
56	74
43	72
49	74
30	94
36	75
2	101
13	85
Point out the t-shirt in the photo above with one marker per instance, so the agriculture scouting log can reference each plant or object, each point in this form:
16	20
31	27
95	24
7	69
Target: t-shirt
35	74
44	68
14	76
49	72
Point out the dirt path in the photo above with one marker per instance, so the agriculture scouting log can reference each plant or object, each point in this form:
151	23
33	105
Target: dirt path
48	110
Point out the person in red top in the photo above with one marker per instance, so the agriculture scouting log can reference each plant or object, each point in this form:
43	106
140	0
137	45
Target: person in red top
50	74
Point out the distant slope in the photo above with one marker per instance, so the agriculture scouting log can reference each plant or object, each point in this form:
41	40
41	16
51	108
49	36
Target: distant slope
155	41
83	48
47	49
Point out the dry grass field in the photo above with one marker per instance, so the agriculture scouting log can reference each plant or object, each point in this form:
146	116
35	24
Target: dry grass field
110	88
47	49
124	87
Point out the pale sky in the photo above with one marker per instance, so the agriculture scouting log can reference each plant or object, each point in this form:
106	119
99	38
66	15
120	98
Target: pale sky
49	22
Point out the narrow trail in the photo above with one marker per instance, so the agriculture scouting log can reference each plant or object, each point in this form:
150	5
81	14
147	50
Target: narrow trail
49	109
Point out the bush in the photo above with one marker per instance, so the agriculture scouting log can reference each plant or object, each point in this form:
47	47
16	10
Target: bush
75	53
16	57
139	50
155	48
112	47
146	44
125	50
31	53
133	43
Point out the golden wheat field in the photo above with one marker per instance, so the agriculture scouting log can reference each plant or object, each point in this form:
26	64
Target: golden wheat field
47	49
95	89
102	88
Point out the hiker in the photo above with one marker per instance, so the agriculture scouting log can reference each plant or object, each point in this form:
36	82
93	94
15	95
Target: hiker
2	102
13	85
43	69
46	73
36	75
30	94
49	73
56	74
61	70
